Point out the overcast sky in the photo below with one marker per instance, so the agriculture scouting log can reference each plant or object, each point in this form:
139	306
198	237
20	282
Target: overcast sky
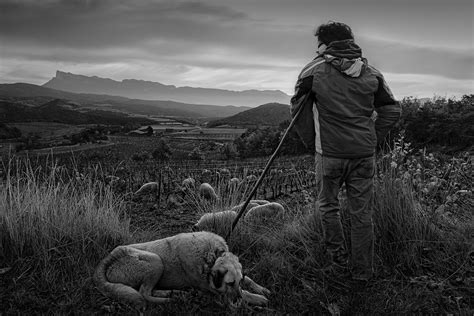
423	47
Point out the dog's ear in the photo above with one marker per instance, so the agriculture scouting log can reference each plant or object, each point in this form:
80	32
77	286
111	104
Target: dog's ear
218	278
219	252
212	256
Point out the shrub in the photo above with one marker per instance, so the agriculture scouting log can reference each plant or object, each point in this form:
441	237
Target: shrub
162	151
141	156
196	154
7	132
437	122
229	151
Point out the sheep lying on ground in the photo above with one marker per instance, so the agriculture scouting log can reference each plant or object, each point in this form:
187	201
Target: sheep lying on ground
217	222
221	222
265	211
207	192
223	217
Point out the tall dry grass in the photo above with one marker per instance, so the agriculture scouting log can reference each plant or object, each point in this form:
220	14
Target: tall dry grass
43	212
410	242
54	228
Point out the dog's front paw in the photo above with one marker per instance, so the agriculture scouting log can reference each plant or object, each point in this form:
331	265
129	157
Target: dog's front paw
265	291
255	287
260	300
261	290
254	299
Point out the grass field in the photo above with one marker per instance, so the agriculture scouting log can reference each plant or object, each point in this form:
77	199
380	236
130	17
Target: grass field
47	129
55	228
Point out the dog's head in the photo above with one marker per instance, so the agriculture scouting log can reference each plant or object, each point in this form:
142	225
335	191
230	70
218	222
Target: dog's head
226	275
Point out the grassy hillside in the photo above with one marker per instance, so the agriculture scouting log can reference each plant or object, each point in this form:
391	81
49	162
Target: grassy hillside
270	114
62	111
57	223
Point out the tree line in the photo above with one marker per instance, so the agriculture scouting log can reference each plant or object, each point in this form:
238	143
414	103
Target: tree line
445	124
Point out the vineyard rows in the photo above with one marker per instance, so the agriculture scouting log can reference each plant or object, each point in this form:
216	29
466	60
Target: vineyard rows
286	175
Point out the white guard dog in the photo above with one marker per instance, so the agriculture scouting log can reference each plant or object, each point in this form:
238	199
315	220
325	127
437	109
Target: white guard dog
147	272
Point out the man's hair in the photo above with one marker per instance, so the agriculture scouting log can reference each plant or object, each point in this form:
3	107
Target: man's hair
333	31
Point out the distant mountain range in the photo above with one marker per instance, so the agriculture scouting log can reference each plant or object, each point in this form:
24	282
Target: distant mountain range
33	95
270	114
148	90
22	102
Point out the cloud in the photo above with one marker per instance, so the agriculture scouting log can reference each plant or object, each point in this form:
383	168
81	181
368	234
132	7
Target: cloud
223	44
103	30
104	23
232	76
403	85
399	57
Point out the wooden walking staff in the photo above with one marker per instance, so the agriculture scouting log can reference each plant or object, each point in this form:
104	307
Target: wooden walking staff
252	193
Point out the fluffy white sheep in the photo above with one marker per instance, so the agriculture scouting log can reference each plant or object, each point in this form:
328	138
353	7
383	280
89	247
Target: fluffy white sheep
249	206
271	210
207	192
188	183
221	222
209	221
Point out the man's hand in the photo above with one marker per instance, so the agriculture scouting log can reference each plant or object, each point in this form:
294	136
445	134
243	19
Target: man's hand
303	87
387	117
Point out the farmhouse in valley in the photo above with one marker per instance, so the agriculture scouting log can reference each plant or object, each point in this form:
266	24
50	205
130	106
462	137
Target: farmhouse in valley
185	131
216	134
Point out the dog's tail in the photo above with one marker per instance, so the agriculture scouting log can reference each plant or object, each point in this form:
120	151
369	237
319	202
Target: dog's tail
116	290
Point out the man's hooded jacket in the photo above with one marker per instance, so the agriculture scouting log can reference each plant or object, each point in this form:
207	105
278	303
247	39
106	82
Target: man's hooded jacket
339	92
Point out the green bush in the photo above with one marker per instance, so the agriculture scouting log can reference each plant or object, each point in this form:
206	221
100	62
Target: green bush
437	122
162	150
196	154
7	132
